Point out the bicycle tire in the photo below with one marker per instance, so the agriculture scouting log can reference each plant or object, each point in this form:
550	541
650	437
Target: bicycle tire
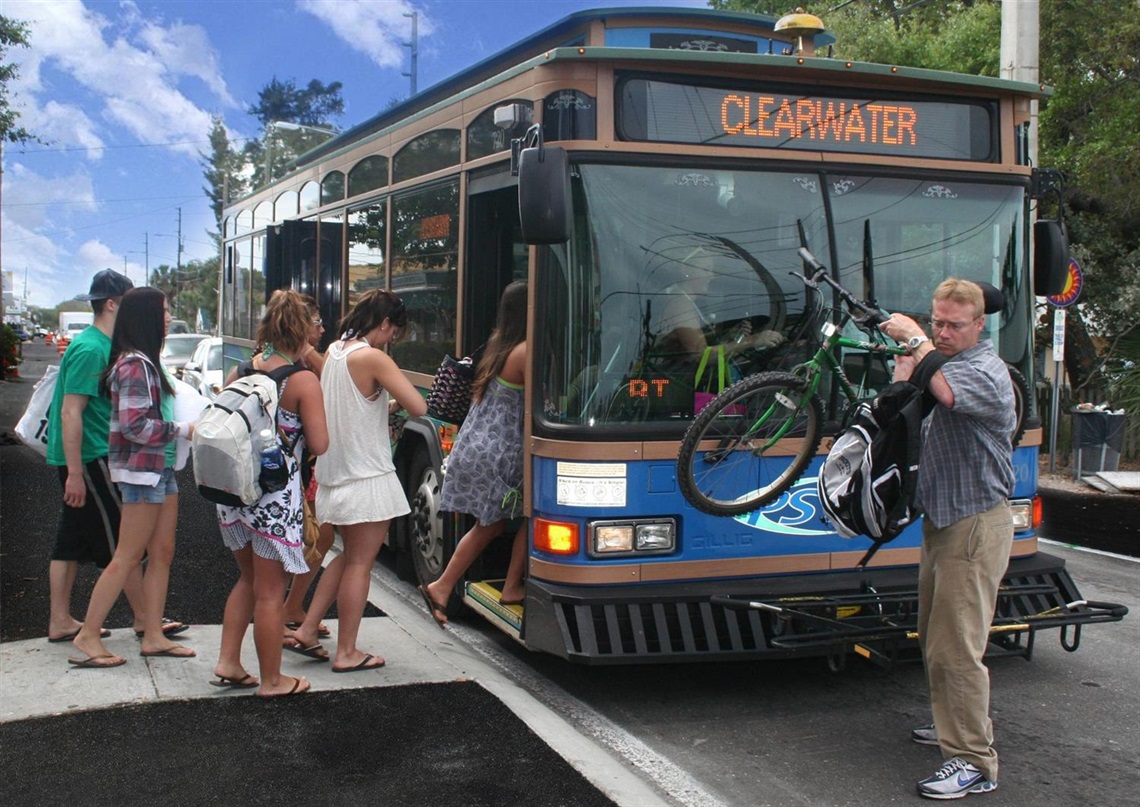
739	476
1020	402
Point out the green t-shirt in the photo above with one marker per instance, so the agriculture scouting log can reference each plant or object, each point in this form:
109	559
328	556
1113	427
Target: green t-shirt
166	406
83	363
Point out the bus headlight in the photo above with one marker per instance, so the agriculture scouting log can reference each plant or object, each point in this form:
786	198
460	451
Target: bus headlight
635	536
1022	512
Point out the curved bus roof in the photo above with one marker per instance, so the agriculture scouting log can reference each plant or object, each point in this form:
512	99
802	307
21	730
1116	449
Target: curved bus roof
567	39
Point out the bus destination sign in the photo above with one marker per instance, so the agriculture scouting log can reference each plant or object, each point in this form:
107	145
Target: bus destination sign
671	112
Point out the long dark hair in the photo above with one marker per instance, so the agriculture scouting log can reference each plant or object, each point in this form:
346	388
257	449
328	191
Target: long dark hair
371	310
140	326
510	330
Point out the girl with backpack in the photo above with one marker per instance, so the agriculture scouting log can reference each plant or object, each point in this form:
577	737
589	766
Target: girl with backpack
266	537
141	458
358	489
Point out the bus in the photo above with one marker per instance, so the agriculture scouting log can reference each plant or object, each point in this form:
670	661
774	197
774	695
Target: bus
653	172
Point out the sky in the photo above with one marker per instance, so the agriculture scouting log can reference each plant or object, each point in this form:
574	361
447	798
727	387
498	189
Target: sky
122	93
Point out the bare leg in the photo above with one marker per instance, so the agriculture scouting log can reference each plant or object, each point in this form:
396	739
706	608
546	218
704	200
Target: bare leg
295	601
61	582
362	542
269	580
236	619
323	598
469	548
135	529
160	554
136	597
514	590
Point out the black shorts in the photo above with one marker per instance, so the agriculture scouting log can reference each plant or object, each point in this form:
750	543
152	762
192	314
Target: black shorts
89	534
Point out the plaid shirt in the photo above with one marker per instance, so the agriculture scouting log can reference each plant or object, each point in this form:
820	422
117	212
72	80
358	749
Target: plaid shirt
967	451
139	435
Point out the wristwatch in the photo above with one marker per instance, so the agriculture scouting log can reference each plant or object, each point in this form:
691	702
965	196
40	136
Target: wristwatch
913	343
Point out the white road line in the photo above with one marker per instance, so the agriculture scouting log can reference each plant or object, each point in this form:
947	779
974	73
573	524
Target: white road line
1089	550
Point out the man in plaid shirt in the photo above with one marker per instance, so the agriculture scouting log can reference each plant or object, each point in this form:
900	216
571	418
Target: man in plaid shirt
964	484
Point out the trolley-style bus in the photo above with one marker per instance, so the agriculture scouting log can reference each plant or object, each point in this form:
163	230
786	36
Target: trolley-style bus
687	156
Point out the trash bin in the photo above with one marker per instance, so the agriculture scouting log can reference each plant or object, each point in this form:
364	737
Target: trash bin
1098	438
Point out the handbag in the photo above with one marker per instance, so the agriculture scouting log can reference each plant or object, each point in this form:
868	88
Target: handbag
449	398
311	534
33	426
702	395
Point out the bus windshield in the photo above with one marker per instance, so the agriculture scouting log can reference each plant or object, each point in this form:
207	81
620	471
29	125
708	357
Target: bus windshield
678	281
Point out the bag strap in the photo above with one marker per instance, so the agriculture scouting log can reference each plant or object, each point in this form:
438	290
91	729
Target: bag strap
911	414
701	366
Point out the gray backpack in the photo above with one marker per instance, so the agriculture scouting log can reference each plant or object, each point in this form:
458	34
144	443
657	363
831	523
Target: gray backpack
227	457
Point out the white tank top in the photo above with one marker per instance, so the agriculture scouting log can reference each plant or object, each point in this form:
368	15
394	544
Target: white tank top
359	447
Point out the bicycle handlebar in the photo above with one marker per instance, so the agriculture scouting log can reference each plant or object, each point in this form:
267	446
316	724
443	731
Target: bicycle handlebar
872	315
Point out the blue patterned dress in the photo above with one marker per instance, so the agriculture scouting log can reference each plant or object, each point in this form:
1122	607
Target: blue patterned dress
485	468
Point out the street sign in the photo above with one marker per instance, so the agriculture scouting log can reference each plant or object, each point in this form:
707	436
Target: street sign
1074	281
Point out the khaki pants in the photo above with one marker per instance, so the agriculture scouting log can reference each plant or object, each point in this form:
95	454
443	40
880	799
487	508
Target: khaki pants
961	567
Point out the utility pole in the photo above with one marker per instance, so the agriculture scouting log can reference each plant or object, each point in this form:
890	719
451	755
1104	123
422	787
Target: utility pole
1020	53
414	46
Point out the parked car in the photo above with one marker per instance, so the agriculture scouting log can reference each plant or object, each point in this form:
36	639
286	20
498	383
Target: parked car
212	359
177	350
22	333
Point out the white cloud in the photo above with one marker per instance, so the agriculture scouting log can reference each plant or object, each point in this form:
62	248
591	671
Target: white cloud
186	50
135	79
378	30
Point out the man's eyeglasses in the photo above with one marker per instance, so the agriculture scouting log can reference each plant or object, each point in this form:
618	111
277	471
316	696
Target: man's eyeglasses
956	327
317	321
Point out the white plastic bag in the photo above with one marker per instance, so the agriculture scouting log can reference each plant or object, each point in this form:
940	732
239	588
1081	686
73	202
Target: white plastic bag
33	426
188	405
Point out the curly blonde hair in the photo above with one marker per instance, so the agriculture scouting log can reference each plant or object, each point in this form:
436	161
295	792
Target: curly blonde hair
285	323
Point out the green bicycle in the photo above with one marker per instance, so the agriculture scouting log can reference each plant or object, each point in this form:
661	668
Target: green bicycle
754	440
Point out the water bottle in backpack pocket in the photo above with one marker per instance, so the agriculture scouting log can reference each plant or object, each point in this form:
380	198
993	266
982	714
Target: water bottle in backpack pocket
274	474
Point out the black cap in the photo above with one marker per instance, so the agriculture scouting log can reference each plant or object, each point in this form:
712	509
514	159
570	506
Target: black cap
992	297
107	283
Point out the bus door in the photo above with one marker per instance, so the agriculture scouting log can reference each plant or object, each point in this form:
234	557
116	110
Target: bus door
309	258
496	256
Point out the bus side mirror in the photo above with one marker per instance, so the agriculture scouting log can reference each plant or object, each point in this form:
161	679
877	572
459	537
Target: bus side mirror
1050	258
544	195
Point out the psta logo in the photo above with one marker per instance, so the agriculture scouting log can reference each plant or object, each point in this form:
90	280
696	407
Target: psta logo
796	512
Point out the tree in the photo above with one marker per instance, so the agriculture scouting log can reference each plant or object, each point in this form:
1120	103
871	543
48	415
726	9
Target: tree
281	101
12	32
315	105
222	170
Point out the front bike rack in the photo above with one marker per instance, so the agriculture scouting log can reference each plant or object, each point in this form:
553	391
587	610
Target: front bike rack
881	626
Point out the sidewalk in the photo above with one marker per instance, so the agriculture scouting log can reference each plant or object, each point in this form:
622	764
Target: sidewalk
37	682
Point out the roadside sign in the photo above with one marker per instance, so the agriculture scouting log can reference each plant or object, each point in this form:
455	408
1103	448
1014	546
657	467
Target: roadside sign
1074	281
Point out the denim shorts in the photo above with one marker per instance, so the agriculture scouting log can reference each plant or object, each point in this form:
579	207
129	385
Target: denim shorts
150	494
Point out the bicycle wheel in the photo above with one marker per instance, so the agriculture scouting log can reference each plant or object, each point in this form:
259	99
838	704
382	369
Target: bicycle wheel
1020	402
749	444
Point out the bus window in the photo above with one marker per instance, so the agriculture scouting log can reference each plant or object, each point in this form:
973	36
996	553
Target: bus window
425	242
663	264
945	229
427	153
368	175
332	187
310	196
367	235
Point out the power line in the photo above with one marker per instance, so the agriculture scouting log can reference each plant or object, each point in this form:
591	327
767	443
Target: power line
128	146
58	203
